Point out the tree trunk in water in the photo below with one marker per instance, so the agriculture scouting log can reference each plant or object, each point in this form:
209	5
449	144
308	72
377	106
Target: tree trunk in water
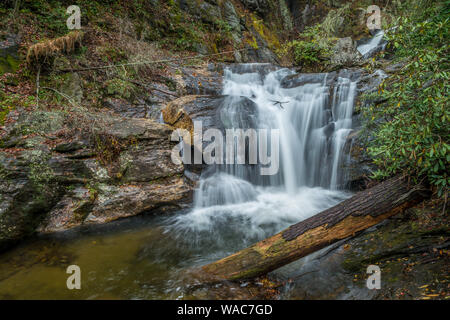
357	213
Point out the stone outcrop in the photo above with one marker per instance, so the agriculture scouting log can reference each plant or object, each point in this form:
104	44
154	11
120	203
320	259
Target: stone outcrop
49	183
9	59
345	53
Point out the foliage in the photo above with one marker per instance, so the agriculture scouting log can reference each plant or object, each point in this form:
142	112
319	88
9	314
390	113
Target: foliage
11	102
309	52
412	134
311	48
335	19
120	88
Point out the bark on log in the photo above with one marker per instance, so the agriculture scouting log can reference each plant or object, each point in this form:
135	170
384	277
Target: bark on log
357	213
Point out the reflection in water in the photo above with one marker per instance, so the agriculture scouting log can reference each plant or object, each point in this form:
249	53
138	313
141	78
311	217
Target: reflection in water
129	259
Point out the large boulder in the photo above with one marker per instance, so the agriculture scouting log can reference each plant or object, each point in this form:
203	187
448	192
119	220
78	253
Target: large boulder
300	79
121	168
345	53
201	81
218	112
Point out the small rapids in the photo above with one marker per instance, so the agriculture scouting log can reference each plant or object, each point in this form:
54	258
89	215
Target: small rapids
234	206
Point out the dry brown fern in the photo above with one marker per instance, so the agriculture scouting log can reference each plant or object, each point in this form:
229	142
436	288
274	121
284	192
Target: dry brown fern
41	51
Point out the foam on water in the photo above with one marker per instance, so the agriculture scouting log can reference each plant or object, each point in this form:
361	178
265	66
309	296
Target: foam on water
364	49
314	120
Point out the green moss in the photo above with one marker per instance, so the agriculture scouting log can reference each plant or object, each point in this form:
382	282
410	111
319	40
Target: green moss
120	88
8	64
265	33
252	42
40	122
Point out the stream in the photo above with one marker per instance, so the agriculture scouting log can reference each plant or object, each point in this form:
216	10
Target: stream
147	257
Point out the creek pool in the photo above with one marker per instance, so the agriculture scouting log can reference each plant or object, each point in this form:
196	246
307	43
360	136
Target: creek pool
147	257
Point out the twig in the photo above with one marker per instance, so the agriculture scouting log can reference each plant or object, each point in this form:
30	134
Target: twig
62	95
148	86
279	102
37	85
147	62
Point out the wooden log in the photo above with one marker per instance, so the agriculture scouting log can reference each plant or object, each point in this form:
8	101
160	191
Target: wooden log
363	210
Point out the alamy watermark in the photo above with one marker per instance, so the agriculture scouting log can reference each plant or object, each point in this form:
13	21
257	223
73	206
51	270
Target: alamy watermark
74	21
231	150
73	281
374	280
374	21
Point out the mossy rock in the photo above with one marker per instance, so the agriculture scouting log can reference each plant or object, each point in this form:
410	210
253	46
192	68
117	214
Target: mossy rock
8	64
40	122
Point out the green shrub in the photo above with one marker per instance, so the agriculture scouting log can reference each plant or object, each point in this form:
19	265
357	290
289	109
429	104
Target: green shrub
307	53
413	134
120	88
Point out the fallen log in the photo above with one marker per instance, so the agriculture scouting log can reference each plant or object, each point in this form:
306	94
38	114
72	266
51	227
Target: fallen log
363	210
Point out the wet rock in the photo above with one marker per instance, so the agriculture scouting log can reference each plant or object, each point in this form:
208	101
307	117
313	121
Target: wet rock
359	165
148	163
370	82
216	112
115	202
181	112
300	79
345	53
352	74
370	47
44	189
69	212
198	81
261	68
328	130
407	251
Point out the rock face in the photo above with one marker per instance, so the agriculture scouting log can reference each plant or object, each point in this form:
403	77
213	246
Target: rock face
300	79
50	184
212	111
358	166
253	25
9	59
201	81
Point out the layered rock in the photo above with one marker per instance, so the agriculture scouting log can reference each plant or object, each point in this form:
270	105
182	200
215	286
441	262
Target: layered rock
50	184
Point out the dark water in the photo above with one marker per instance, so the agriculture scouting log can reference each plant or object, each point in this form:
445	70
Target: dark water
130	259
147	257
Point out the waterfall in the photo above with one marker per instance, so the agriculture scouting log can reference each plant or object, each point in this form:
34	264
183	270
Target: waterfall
369	48
313	119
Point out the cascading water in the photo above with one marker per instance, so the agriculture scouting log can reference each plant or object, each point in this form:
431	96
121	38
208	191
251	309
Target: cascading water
234	203
373	45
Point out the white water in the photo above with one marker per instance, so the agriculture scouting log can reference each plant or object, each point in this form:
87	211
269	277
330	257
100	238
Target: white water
372	44
233	203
